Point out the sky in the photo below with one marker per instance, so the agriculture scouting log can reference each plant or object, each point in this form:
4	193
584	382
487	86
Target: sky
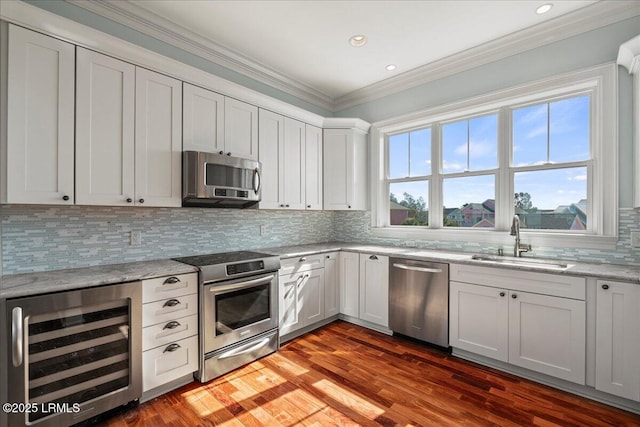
552	132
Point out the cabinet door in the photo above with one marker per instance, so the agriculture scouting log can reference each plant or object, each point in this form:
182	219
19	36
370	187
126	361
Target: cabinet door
292	174
547	334
240	129
479	319
40	116
374	289
290	310
158	158
337	173
331	285
203	127
311	296
313	168
618	339
271	141
105	120
349	266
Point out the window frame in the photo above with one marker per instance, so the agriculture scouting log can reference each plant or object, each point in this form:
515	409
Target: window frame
602	189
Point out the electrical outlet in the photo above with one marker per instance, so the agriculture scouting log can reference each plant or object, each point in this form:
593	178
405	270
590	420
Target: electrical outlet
635	239
136	238
263	229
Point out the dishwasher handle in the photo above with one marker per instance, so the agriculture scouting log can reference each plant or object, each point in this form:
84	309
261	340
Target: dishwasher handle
422	269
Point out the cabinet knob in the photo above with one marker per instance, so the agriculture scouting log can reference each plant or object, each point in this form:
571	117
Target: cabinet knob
514	296
502	294
171	348
287	206
282	205
229	153
129	200
65	198
349	206
328	256
303	259
308	206
141	200
605	286
220	152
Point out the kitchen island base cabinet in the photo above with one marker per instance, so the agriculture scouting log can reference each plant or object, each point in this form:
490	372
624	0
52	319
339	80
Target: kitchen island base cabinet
618	339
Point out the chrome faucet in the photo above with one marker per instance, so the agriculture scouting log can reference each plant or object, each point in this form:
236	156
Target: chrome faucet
515	231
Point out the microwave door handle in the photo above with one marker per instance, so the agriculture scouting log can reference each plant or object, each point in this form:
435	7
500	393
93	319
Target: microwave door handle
256	179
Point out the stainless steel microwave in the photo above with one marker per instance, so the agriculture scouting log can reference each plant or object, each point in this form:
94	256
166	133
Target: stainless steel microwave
219	180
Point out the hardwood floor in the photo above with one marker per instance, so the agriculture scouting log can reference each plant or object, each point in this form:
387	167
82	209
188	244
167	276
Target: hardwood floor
343	374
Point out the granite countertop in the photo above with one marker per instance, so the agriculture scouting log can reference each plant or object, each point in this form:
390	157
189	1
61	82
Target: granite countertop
19	285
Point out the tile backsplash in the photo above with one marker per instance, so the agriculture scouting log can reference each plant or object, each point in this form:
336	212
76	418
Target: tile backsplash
41	238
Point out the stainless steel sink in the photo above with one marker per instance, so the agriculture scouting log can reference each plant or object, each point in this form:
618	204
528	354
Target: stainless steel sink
525	262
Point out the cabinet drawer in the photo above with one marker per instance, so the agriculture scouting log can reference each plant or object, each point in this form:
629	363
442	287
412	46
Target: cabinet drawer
169	362
167	332
169	309
558	285
162	288
303	263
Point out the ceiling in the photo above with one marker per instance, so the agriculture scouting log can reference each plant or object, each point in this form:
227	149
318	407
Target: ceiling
305	44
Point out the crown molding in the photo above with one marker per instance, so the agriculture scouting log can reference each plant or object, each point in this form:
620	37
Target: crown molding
346	123
144	21
580	21
629	55
600	14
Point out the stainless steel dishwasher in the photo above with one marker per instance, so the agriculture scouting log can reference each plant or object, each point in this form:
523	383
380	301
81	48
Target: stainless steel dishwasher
419	300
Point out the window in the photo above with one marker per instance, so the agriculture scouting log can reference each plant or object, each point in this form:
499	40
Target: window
539	151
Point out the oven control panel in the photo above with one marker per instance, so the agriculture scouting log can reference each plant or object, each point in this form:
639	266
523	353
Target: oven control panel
244	267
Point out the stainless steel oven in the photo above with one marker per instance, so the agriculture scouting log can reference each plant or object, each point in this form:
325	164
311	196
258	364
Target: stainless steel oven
73	355
238	309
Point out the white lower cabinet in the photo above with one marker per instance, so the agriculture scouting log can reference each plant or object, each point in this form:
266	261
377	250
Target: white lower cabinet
349	266
331	284
374	289
301	293
543	333
169	329
618	339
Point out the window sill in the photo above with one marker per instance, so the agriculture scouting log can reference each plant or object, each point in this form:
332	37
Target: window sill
500	237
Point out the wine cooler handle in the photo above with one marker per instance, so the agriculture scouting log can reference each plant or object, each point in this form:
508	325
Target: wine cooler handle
16	336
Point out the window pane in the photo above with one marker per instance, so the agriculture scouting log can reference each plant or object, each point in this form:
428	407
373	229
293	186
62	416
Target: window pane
454	147
409	203
420	161
552	199
569	129
530	135
469	201
399	156
470	144
483	142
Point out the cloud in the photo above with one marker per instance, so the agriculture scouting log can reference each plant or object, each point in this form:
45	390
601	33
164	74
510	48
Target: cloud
582	177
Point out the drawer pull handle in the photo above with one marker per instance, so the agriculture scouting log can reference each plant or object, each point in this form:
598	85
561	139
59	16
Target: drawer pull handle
171	325
605	286
171	303
303	259
373	257
171	348
171	280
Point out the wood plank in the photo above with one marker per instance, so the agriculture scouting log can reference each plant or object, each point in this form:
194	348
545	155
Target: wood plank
346	375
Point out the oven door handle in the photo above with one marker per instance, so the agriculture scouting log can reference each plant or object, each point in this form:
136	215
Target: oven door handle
242	285
247	348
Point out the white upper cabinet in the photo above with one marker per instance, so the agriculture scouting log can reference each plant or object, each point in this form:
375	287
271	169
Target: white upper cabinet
40	119
313	168
345	169
158	155
271	141
105	123
128	128
292	173
240	129
618	339
203	127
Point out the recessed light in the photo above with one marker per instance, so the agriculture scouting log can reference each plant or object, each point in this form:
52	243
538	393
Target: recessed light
358	40
390	67
544	8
